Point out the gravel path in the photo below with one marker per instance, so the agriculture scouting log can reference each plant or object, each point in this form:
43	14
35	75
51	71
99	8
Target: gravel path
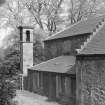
27	98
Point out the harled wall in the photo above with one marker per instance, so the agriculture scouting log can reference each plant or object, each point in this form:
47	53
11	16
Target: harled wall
91	80
64	46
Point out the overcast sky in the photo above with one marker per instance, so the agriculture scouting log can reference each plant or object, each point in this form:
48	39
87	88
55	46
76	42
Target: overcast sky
3	33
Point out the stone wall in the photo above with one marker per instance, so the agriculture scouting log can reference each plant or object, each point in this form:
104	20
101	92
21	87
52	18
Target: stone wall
91	81
65	46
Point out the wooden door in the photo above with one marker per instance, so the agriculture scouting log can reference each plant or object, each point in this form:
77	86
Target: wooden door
45	83
52	86
73	89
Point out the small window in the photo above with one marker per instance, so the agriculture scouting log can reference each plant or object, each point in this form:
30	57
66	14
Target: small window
21	37
27	35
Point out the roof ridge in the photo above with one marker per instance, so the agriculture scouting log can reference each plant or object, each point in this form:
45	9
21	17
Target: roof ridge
95	31
66	28
52	59
81	23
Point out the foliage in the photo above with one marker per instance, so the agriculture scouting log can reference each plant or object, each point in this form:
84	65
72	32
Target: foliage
11	61
9	68
7	91
38	52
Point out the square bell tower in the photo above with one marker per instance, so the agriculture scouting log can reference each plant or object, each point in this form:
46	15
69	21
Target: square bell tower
26	48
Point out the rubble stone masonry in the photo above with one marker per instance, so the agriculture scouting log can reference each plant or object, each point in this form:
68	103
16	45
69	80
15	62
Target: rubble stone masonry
91	81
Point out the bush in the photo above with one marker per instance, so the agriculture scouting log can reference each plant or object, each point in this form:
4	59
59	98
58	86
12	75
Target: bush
9	68
7	91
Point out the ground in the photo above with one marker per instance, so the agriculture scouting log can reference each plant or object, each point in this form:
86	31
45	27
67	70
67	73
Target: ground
28	98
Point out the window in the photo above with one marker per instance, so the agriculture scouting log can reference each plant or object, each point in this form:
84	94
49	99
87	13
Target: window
27	35
21	34
21	37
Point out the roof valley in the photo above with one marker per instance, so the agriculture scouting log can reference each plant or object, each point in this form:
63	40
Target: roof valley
95	31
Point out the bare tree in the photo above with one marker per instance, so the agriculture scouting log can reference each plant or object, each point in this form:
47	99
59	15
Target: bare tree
15	9
45	12
80	9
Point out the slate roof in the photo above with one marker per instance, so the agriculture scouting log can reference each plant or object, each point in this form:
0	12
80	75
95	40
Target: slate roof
80	28
96	44
61	64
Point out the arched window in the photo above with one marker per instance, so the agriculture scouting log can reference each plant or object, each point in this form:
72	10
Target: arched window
27	36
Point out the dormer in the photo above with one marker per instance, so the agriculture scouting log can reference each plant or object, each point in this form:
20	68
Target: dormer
26	34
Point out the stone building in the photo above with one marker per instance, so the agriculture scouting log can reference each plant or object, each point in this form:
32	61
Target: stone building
91	69
60	76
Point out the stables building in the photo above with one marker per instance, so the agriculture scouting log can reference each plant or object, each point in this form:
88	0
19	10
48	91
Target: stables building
70	74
